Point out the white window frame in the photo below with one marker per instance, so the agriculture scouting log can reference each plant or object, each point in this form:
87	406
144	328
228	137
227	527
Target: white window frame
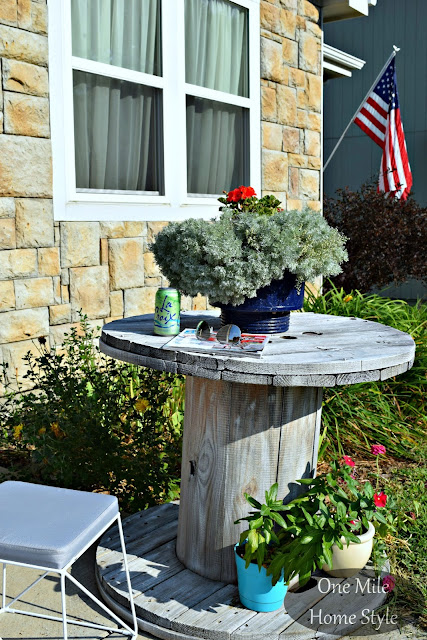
71	205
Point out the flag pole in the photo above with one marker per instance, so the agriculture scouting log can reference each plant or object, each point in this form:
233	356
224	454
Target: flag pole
395	50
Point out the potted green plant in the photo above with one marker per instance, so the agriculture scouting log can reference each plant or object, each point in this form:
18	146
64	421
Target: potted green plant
347	517
255	551
372	520
252	260
283	542
330	527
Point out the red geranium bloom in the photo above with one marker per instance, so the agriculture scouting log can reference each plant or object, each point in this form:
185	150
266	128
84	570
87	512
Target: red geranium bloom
380	499
247	192
234	196
378	450
347	460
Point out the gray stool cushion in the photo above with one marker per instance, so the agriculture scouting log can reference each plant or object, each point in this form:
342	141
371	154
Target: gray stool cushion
48	526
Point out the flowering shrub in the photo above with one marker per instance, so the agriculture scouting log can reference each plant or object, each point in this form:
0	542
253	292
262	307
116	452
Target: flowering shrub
244	199
94	423
252	243
336	505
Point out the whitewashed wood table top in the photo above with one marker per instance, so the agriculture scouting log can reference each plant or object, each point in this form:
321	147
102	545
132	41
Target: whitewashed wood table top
317	351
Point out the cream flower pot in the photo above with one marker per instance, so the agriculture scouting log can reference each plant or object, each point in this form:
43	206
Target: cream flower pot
350	560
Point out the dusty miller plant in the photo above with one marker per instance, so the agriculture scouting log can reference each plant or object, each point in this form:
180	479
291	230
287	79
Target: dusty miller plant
229	258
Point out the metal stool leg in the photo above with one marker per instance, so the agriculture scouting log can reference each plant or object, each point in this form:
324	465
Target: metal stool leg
3	597
129	586
64	610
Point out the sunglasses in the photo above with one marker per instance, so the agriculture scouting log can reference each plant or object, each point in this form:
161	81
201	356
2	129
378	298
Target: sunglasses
228	334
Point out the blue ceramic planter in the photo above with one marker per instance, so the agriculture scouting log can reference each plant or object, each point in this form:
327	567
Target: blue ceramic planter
256	591
269	311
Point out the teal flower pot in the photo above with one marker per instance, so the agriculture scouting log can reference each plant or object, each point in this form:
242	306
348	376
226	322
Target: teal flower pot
256	591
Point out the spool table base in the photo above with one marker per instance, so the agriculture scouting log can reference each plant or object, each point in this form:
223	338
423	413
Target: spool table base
173	602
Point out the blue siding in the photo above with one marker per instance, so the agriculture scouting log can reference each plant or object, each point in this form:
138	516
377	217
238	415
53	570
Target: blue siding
400	22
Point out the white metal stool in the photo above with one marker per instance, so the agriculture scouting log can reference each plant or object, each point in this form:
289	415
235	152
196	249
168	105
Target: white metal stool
49	528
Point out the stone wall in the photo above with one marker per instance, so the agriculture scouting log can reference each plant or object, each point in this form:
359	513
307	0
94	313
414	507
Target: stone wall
50	270
291	94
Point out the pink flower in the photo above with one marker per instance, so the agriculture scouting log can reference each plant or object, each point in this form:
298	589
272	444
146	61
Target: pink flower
378	450
347	460
380	499
389	583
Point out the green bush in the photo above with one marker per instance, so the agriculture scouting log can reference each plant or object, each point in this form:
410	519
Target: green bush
93	423
392	412
231	257
408	552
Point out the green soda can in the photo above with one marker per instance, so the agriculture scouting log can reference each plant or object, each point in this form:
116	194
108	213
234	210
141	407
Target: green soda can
167	310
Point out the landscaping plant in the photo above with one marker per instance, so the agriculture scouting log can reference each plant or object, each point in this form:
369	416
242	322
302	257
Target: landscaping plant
336	506
251	243
93	423
407	551
391	412
387	237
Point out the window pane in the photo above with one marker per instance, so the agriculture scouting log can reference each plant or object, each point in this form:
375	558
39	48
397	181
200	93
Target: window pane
217	146
216	45
118	134
125	33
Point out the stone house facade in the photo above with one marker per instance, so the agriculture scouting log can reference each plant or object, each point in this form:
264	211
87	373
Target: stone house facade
50	268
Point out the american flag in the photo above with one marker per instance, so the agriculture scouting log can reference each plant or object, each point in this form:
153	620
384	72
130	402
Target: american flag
379	117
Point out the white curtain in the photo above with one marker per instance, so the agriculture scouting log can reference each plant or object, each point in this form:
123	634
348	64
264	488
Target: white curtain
116	123
119	32
216	56
216	45
217	146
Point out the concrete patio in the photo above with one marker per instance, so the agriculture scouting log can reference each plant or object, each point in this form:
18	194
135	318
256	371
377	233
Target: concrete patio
48	598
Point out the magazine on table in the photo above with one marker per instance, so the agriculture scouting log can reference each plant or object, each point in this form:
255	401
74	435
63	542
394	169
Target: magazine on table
251	344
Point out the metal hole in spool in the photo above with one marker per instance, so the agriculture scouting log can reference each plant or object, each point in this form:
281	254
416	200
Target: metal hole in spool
288	337
312	333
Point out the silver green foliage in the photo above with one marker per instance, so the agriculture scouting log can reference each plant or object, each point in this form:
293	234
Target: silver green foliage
231	257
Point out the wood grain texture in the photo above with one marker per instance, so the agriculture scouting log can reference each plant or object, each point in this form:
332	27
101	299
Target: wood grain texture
215	617
175	603
138	526
318	350
238	438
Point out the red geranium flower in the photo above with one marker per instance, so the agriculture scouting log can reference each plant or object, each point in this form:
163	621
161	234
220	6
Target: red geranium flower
247	192
378	450
347	460
380	499
234	196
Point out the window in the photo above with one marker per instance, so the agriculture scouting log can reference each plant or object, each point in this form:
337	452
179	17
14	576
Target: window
154	106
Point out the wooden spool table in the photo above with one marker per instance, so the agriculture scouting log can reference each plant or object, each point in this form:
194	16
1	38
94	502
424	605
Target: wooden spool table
248	423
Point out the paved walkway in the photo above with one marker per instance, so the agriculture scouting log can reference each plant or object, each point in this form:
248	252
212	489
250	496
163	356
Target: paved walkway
47	596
